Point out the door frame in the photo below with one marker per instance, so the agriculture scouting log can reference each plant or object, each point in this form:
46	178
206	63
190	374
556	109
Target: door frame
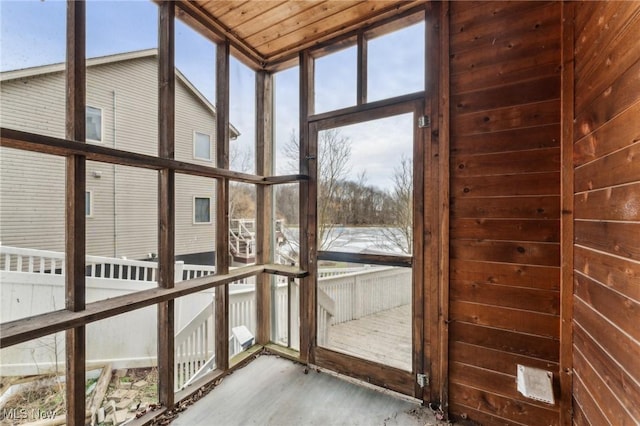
379	374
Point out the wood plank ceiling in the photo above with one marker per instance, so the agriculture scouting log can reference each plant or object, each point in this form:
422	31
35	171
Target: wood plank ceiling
273	31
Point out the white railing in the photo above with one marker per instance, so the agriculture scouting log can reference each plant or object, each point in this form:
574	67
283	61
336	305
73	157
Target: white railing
344	294
242	237
16	259
375	289
195	342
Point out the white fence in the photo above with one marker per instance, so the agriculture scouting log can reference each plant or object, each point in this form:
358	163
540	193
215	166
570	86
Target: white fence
32	283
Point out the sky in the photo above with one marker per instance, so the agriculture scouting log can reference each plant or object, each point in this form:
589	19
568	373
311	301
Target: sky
32	32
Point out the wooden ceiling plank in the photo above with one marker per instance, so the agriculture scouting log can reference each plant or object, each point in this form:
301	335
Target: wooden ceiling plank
294	23
219	8
261	19
323	31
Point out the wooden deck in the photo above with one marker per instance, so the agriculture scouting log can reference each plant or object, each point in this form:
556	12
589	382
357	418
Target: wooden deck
384	337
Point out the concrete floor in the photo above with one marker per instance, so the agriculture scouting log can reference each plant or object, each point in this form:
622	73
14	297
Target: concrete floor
275	391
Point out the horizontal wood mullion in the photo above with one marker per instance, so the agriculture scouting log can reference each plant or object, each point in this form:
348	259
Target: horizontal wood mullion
63	147
374	259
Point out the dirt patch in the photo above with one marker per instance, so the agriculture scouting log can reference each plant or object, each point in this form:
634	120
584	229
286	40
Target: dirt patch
129	391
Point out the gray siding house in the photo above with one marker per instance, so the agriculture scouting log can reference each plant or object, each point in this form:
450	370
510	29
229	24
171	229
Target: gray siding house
121	205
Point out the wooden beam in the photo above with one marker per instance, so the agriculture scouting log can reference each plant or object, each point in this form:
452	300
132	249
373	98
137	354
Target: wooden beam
362	70
354	114
25	329
373	259
222	204
264	201
438	86
308	165
566	219
55	146
166	201
75	214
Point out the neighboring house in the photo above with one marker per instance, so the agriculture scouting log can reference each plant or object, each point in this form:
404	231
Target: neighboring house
122	110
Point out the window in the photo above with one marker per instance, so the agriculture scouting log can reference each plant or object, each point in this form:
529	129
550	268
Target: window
202	210
201	146
94	124
88	203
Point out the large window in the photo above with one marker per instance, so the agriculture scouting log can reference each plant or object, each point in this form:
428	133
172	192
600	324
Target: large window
94	124
202	210
201	146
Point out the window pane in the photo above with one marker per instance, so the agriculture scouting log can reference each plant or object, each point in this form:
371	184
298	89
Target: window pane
365	187
202	146
122	75
32	233
286	119
195	242
94	124
242	116
195	127
336	80
365	311
32	42
395	63
202	208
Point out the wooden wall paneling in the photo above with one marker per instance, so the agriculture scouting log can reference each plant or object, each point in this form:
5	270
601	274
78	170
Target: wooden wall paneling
508	341
264	201
546	136
622	275
617	379
566	221
222	204
166	201
618	97
75	226
617	133
308	226
614	169
505	207
599	71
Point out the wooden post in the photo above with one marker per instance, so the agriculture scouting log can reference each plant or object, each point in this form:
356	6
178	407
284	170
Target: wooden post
222	204
75	216
308	226
362	69
264	200
566	220
166	201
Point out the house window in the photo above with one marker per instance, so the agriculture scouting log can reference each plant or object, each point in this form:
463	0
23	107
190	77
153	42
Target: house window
201	146
88	203
202	210
94	124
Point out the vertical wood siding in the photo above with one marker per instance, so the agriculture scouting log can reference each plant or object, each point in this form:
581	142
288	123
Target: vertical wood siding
505	186
32	192
606	343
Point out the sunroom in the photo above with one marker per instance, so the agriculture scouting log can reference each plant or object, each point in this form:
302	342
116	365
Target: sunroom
438	202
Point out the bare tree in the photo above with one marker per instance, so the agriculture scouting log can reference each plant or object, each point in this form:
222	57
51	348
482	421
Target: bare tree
334	154
400	234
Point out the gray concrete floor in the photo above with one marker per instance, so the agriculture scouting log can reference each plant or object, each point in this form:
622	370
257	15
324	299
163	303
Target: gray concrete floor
275	391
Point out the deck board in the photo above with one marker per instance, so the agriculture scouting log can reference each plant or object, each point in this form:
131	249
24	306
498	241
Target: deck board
275	391
383	337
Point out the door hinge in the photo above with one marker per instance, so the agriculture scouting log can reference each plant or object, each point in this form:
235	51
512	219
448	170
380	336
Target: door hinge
424	121
422	379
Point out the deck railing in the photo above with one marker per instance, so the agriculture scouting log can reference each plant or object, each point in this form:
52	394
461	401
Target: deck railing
344	294
16	259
